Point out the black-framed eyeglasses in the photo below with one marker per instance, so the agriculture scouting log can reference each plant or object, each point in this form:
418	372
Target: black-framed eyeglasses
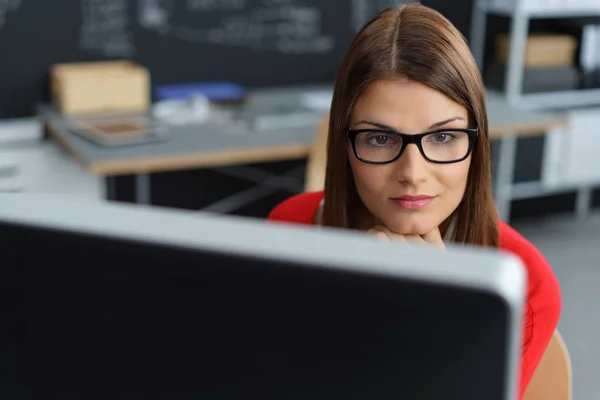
441	146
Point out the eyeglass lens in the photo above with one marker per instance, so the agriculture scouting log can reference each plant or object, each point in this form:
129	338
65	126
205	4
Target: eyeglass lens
437	146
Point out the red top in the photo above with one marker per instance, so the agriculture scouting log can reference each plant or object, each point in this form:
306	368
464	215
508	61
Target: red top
543	293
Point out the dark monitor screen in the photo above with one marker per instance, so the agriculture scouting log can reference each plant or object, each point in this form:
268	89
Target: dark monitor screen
90	313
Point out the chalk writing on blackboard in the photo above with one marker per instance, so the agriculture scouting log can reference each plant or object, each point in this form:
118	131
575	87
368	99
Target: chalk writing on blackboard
155	14
214	5
283	26
7	6
105	28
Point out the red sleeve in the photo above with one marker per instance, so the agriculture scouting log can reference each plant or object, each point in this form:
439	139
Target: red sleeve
299	209
543	306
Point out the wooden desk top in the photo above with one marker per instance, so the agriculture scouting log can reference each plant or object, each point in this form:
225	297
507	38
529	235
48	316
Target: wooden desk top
213	144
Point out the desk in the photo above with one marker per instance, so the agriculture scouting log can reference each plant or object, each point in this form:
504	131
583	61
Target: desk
217	144
207	145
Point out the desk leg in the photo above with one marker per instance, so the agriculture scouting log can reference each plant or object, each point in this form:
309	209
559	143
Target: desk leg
584	202
110	191
505	175
268	186
142	188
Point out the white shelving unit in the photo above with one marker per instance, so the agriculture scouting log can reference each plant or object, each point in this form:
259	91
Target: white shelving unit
545	8
521	12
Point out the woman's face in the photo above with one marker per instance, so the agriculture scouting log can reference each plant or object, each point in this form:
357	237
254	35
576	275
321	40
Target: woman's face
410	196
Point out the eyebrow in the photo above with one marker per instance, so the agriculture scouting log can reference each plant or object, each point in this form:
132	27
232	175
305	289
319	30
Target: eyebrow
389	128
446	121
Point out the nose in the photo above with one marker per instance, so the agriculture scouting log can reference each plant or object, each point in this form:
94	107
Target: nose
412	166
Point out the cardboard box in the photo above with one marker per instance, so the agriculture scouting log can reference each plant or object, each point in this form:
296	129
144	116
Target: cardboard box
100	87
541	50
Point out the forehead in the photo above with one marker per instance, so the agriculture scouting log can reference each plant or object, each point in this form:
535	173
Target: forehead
406	105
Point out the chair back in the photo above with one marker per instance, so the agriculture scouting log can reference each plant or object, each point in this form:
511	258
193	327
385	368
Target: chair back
552	380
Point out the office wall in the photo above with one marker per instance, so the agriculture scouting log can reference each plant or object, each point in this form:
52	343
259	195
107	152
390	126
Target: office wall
252	42
163	35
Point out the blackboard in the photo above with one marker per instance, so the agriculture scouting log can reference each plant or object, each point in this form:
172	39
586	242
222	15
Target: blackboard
251	42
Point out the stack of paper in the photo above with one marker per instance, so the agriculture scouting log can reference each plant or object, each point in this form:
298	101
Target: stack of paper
582	147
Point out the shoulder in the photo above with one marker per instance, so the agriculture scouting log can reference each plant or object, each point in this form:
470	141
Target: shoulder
300	209
540	276
543	290
543	305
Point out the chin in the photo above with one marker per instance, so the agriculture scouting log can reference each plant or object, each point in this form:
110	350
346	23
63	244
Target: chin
410	226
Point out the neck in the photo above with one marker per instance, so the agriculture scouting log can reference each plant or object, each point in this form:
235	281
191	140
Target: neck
445	225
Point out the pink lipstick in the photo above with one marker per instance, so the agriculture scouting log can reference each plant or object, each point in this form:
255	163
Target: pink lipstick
412	202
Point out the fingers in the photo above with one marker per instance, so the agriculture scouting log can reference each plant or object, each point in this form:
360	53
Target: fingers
384	234
379	234
394	237
434	237
416	239
430	238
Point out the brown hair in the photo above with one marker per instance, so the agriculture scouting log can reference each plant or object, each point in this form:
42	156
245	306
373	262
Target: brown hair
420	44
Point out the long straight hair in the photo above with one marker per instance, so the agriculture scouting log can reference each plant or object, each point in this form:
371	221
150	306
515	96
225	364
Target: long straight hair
420	44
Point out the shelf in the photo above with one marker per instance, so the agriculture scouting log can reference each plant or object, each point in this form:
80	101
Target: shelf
531	190
562	99
546	8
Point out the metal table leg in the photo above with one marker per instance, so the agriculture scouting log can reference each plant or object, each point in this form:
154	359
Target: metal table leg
269	184
110	191
504	176
142	188
583	203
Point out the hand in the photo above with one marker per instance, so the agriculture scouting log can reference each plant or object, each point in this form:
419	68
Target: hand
433	238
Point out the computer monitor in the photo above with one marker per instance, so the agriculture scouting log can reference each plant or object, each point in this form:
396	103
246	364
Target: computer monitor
124	301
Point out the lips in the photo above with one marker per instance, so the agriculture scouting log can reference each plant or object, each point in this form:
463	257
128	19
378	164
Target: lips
412	202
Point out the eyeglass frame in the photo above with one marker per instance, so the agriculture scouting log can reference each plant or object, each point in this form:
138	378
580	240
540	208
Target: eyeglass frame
473	134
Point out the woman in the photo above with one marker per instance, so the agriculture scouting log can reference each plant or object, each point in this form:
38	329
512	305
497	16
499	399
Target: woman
409	155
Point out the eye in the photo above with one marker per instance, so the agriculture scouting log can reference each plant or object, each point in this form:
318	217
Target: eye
380	140
442	137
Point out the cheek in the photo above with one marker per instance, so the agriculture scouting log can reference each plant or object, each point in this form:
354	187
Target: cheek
453	178
370	179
